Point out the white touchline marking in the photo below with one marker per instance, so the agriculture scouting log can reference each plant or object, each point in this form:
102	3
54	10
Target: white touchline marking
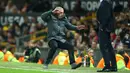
33	69
48	70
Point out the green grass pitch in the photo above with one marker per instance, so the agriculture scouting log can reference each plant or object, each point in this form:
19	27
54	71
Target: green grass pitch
9	67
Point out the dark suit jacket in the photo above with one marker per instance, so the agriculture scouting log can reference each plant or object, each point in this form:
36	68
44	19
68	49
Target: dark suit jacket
105	17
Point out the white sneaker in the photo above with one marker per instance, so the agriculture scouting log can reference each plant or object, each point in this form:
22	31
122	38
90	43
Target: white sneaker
45	66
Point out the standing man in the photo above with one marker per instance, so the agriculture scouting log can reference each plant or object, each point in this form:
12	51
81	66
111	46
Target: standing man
106	22
57	24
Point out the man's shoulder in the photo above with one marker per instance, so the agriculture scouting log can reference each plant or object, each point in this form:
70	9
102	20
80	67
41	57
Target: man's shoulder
65	18
105	3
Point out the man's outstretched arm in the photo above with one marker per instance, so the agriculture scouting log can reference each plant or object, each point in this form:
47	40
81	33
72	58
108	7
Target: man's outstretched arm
73	27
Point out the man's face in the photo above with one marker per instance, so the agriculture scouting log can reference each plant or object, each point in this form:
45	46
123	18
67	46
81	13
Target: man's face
91	53
31	44
94	45
93	33
59	11
4	51
61	15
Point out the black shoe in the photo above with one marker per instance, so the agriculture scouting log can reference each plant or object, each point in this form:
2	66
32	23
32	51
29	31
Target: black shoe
74	65
113	70
105	69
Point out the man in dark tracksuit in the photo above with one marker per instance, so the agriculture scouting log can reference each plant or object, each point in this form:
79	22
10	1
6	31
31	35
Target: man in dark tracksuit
106	22
57	24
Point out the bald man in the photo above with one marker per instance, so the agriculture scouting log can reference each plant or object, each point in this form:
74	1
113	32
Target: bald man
106	22
57	24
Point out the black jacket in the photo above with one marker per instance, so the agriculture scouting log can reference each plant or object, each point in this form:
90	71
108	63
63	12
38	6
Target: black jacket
105	17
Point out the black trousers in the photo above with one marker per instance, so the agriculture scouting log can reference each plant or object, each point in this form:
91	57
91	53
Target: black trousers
106	49
54	45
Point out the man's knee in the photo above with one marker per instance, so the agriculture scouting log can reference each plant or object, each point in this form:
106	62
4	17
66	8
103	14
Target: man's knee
53	44
69	46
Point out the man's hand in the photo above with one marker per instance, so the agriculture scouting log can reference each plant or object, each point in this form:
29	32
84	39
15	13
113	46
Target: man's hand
80	27
58	10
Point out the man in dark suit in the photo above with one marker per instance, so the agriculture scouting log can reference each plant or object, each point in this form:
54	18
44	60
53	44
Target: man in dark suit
106	22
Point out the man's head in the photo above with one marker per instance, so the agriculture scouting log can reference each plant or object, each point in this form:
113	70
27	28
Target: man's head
94	45
3	48
121	52
32	43
90	52
59	11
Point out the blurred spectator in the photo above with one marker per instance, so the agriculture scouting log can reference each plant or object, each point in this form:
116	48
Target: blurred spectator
25	26
118	8
32	28
26	49
34	52
94	46
1	38
126	58
117	42
61	58
25	7
78	9
85	33
126	41
9	55
39	6
80	46
10	38
2	6
33	24
16	29
129	4
39	27
74	20
11	8
113	36
5	33
119	60
40	44
26	52
120	17
88	61
118	29
123	33
93	35
77	39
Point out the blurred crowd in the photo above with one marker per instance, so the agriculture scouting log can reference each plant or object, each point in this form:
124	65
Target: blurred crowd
9	32
8	6
85	41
